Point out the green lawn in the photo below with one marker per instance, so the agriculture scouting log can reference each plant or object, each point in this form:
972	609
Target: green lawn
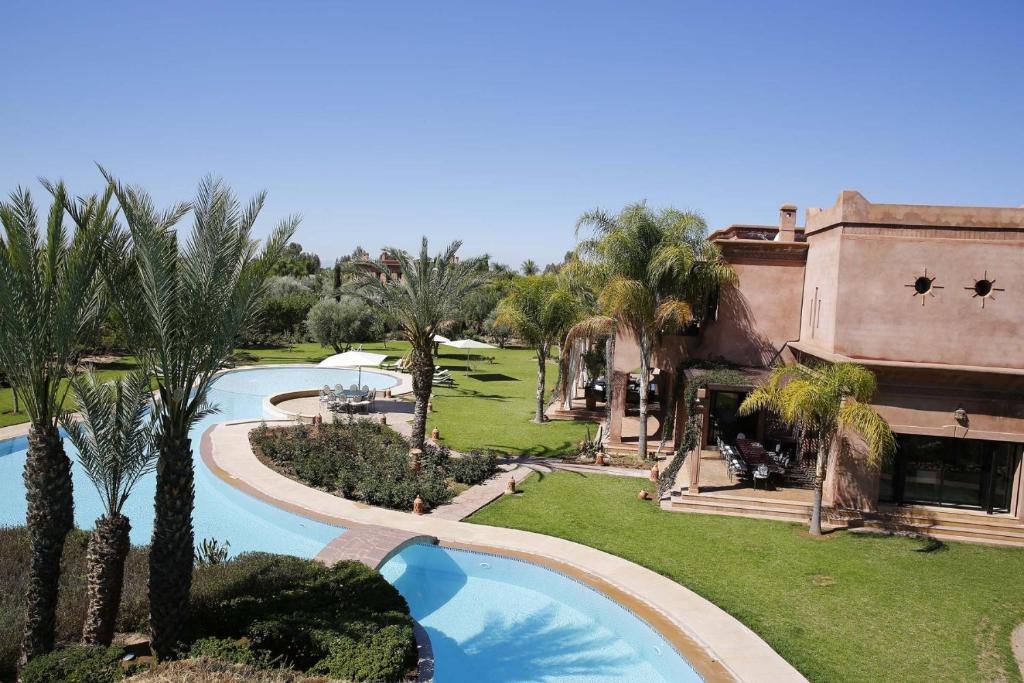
489	409
850	607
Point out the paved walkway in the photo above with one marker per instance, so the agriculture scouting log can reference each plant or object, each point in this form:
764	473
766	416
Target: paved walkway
716	644
372	545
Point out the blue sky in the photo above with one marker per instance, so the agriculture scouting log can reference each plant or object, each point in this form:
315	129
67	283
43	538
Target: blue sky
499	123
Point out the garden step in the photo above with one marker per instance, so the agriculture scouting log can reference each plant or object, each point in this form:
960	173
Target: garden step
930	516
958	534
741	507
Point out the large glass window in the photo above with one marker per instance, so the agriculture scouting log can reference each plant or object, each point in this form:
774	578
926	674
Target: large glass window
966	473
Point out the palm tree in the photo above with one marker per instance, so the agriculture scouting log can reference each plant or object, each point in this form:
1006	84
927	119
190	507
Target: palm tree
183	307
428	295
530	267
652	270
49	295
821	400
115	448
540	312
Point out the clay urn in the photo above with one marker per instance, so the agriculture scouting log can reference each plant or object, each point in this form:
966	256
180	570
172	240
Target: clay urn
417	506
510	487
643	495
383	419
599	458
435	433
654	473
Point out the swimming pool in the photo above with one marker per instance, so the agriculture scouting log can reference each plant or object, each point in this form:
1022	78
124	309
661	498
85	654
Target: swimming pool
490	618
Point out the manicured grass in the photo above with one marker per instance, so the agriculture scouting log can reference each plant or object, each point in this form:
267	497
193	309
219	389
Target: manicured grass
850	607
490	409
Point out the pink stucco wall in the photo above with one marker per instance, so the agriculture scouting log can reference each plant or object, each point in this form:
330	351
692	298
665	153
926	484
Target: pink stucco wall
757	316
879	316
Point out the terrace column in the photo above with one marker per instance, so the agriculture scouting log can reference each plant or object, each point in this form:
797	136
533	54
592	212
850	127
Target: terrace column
681	417
620	381
694	458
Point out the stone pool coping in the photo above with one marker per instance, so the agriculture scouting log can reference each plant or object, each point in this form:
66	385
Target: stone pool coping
717	645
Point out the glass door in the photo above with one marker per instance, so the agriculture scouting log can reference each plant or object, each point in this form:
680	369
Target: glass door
961	473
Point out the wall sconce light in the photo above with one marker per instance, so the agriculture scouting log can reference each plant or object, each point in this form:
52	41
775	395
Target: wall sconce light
702	393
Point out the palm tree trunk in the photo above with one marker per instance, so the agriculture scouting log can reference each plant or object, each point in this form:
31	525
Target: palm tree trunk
542	360
422	370
645	380
50	516
108	549
171	556
819	480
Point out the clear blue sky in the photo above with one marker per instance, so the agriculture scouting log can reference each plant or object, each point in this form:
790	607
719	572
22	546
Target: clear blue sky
498	123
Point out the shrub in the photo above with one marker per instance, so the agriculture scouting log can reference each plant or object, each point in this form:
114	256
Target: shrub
75	665
474	468
373	657
72	602
207	670
224	649
257	610
304	613
340	323
356	459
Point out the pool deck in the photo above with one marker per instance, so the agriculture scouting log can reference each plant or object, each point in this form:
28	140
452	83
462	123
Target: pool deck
715	643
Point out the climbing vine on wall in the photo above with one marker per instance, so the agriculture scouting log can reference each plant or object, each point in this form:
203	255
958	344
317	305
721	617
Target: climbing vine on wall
716	373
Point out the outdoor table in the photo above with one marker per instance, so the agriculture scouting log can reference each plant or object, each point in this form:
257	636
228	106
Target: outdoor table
755	454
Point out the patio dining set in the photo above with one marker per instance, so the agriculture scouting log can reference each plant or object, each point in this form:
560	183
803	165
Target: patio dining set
749	459
355	399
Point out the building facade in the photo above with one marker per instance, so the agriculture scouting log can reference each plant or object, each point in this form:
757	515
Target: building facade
930	298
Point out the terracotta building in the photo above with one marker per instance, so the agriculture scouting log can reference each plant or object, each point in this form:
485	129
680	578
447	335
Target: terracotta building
930	298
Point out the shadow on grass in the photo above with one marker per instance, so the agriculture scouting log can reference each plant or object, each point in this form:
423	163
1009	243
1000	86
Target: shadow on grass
457	392
493	377
117	365
563	450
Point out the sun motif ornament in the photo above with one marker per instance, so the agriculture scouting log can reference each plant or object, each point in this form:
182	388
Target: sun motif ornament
924	286
985	289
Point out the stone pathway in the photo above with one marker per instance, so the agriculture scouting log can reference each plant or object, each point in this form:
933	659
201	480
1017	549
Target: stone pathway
370	544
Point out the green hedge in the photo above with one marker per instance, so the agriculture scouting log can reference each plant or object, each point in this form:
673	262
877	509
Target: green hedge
75	665
256	610
343	622
367	461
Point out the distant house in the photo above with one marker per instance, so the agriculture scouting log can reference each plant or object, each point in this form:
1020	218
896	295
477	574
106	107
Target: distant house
391	270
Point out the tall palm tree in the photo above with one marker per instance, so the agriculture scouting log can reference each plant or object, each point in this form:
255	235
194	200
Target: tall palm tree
183	308
541	313
821	400
50	300
653	269
530	267
428	295
114	439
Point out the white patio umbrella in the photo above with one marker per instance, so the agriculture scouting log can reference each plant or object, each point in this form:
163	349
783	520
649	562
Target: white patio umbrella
441	339
468	344
353	359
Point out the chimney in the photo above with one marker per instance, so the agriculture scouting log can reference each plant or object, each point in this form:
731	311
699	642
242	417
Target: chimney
787	223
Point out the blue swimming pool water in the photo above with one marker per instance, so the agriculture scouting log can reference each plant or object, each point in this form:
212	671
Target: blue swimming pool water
222	511
489	618
497	619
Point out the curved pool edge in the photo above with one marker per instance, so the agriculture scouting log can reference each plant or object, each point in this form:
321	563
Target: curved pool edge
716	644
